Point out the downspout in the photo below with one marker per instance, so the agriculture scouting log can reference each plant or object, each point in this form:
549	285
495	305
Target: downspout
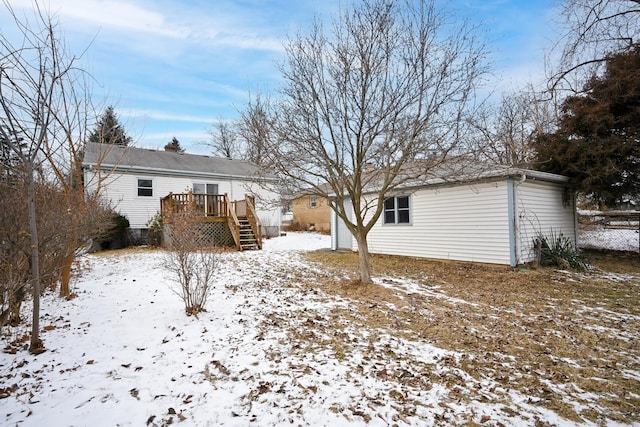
511	203
576	223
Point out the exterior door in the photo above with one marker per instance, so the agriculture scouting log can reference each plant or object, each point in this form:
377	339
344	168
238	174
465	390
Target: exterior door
344	237
209	205
201	188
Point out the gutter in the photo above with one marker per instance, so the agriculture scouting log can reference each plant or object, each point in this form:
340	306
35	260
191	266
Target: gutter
170	172
511	173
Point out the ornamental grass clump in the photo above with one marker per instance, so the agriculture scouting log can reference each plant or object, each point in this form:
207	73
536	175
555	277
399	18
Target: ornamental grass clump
558	250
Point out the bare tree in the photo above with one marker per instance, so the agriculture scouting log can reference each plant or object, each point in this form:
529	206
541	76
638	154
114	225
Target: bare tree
507	132
255	129
224	140
63	154
594	29
44	108
378	101
30	75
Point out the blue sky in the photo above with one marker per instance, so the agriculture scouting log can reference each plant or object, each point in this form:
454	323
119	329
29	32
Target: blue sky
171	67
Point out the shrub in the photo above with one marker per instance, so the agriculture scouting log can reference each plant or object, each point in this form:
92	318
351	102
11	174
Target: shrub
295	226
115	237
191	266
557	250
155	229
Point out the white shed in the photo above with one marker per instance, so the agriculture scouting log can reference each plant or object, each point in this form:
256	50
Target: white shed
492	217
134	180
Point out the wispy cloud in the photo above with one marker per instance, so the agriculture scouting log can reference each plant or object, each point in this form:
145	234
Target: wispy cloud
163	115
179	22
247	41
110	13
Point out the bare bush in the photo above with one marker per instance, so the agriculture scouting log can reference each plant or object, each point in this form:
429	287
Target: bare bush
13	287
55	220
295	226
190	262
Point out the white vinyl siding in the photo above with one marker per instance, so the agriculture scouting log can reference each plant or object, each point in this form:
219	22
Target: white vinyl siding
541	208
464	222
119	189
493	222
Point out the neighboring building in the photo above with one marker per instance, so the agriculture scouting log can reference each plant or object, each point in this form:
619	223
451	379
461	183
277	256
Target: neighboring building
134	180
489	217
312	212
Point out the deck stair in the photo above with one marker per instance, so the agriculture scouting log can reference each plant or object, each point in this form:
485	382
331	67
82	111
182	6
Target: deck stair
248	239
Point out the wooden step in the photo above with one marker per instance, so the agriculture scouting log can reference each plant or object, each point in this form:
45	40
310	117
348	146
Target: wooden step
248	239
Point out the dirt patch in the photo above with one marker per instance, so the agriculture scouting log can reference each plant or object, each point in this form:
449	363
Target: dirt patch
570	341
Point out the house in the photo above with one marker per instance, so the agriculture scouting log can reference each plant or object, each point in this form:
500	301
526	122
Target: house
492	216
312	212
140	182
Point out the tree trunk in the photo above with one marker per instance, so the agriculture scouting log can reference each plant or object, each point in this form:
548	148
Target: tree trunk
36	345
70	256
363	257
65	274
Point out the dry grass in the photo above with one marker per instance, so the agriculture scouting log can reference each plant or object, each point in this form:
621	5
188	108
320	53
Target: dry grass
569	341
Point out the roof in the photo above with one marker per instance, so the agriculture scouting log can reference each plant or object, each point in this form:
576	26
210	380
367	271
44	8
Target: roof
455	171
311	191
475	172
156	162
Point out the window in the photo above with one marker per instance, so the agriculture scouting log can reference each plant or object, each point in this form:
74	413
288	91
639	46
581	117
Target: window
201	188
312	201
205	200
396	210
145	187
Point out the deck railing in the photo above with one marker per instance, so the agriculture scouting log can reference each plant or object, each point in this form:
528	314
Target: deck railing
214	205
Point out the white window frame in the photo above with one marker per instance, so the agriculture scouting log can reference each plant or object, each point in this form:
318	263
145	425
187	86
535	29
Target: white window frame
313	201
140	187
206	185
396	209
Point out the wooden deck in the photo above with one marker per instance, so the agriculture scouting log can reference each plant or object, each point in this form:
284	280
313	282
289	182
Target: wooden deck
239	215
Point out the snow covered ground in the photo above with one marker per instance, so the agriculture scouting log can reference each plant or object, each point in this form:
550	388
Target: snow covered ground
123	352
616	240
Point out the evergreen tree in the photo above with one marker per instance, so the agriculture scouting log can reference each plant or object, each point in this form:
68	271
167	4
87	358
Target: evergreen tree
109	130
174	145
597	142
9	161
